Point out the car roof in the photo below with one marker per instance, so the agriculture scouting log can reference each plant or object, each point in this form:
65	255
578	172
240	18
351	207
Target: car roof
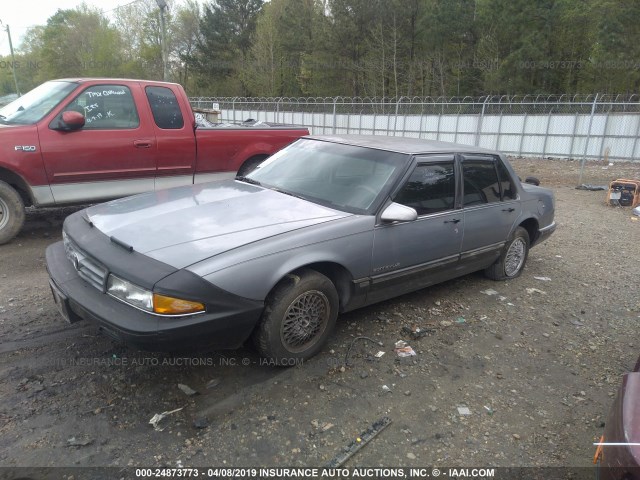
407	145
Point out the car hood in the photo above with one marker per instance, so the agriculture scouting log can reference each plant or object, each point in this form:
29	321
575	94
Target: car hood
185	225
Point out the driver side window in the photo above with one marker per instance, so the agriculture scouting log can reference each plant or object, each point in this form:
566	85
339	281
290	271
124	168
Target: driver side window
106	107
431	188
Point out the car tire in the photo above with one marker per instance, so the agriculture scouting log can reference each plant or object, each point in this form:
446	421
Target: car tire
11	212
300	314
513	258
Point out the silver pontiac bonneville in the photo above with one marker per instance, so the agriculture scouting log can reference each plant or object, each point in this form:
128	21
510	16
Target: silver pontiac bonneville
327	225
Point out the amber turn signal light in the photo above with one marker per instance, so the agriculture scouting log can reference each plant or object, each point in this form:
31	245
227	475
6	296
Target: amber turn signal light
175	306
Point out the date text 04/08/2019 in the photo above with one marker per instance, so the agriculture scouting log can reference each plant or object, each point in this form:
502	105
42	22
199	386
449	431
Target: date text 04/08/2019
358	472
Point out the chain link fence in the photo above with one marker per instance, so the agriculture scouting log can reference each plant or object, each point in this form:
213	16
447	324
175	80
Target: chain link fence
578	127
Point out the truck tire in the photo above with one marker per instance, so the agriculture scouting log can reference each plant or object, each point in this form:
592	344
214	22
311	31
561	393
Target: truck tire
11	212
299	315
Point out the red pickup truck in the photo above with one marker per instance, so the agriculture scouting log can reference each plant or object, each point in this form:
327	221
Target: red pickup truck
77	141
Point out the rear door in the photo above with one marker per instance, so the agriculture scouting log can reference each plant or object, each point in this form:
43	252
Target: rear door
113	155
490	206
411	255
175	137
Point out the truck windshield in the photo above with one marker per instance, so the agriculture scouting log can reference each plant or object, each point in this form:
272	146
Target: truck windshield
32	106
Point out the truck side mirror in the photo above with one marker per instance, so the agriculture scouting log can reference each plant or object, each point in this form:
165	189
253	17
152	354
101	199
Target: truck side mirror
70	120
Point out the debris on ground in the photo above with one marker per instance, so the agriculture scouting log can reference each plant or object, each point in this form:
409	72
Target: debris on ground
531	291
460	320
212	383
364	438
464	411
201	422
416	333
79	442
543	279
158	417
187	390
591	188
489	291
380	353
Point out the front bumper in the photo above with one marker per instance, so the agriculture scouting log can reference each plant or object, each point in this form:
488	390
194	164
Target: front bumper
227	323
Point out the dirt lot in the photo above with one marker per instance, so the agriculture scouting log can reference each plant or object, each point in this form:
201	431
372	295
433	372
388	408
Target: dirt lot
536	369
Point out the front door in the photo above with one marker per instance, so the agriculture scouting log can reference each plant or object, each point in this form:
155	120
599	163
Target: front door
113	155
411	255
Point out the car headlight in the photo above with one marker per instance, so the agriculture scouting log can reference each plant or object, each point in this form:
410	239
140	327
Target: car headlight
148	301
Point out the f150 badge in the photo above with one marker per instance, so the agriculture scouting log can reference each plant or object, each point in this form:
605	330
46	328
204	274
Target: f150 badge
25	148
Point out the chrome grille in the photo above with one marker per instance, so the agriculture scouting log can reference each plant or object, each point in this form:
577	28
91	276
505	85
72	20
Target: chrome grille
88	268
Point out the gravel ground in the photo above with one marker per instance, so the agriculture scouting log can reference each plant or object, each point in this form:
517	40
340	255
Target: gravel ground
518	373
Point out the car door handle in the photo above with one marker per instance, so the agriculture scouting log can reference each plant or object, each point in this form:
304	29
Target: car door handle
455	220
142	143
508	210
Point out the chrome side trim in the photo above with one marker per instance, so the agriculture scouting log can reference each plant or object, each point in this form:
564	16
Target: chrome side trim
88	192
176	181
547	228
482	250
414	269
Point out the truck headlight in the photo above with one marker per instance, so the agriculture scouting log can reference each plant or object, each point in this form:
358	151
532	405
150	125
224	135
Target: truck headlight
148	301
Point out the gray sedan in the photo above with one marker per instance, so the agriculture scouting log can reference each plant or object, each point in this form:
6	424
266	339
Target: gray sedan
327	225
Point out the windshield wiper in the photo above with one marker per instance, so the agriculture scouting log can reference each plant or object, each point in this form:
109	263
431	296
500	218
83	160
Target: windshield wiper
242	178
279	190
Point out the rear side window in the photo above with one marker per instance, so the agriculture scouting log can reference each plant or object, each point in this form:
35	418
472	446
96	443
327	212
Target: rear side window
480	182
508	189
165	108
431	188
106	107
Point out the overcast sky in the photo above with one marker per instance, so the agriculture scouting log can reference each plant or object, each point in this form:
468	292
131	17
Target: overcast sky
22	14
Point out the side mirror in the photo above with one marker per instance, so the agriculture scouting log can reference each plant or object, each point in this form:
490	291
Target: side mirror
398	213
70	120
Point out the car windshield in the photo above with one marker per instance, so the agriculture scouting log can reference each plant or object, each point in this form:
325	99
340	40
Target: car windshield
34	105
344	177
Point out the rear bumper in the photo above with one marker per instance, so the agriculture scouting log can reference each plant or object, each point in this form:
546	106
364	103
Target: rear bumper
226	326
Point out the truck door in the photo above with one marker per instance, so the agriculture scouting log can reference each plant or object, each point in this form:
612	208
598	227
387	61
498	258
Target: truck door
112	156
176	141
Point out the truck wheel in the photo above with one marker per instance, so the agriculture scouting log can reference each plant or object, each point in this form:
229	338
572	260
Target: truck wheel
11	212
513	257
251	164
298	318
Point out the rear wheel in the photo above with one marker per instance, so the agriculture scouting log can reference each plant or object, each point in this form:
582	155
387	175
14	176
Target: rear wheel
299	315
251	164
11	212
513	257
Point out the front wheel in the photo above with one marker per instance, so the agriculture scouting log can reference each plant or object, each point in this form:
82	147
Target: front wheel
513	257
298	318
11	212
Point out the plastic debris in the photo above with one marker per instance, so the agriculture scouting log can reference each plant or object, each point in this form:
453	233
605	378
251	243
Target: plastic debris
489	410
405	352
385	388
531	291
158	417
636	211
380	353
460	320
464	411
543	279
489	292
187	390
